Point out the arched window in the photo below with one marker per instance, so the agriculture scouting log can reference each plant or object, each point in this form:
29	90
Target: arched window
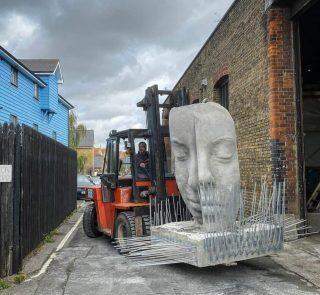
223	88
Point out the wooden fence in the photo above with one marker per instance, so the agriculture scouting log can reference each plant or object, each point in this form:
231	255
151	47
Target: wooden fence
41	195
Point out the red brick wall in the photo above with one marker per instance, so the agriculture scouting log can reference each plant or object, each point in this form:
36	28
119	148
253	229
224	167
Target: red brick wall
282	110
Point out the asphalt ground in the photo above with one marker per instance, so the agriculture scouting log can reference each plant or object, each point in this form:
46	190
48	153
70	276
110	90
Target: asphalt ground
93	266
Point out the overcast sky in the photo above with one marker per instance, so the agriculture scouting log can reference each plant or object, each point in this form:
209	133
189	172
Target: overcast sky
110	50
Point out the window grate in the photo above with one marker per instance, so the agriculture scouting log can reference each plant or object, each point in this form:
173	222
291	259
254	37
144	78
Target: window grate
223	88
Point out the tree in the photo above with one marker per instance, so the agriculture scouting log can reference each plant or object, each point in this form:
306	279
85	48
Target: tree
76	131
72	130
81	161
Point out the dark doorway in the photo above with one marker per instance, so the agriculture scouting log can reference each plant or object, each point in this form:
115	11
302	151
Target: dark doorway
309	42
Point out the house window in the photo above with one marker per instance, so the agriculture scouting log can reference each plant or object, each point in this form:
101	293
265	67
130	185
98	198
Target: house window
14	76
35	127
54	135
223	88
14	120
36	91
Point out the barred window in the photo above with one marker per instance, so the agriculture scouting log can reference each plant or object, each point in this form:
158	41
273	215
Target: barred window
223	87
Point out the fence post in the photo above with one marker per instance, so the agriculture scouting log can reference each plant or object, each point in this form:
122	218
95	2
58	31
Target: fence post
6	202
16	259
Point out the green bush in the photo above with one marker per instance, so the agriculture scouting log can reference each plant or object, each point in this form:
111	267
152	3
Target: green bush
4	285
19	278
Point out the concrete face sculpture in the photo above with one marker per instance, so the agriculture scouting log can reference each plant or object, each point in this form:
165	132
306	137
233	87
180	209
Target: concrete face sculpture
203	142
227	226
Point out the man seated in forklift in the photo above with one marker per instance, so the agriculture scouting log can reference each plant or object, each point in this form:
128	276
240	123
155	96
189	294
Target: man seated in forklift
142	161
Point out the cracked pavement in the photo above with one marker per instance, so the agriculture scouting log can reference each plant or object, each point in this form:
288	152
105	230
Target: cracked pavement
93	266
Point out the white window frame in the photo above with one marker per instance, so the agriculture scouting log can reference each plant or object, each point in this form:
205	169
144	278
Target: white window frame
14	76
14	119
35	126
36	91
54	135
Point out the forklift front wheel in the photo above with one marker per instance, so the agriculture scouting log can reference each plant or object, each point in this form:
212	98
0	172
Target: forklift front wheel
124	228
90	224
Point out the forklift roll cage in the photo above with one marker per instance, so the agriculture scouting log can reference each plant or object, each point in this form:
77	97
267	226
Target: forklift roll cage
155	134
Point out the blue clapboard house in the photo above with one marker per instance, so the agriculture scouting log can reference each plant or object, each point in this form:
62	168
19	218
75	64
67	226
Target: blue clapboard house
29	94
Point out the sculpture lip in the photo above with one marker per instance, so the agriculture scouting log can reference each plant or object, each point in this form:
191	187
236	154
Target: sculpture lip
192	196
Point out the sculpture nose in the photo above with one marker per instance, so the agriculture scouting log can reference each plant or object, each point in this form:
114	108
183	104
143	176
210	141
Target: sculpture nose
199	171
193	172
204	172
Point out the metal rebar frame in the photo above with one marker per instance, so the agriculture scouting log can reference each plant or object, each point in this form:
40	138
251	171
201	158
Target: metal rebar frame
260	228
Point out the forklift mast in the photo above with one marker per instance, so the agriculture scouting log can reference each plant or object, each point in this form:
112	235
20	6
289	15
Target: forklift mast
157	132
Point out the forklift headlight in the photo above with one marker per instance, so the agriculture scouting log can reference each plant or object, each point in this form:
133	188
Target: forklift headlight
90	193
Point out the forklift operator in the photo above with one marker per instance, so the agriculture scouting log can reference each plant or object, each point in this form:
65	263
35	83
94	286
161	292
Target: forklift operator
142	161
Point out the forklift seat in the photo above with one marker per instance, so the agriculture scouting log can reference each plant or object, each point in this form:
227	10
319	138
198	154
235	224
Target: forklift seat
125	180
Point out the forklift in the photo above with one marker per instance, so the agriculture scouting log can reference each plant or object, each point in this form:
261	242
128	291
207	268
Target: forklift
121	206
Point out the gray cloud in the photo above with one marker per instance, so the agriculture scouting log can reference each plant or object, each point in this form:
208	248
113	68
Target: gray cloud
110	50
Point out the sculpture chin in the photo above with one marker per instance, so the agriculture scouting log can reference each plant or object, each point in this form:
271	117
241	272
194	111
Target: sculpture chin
192	201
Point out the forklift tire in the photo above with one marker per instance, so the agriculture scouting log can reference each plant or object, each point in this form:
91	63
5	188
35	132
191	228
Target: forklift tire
146	225
124	228
90	225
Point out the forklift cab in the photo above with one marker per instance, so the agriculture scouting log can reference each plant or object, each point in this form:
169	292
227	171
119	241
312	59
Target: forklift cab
121	166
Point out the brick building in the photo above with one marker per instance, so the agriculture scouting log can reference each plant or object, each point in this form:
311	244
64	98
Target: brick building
262	62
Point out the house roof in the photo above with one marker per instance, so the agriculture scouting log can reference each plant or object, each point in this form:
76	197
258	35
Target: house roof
4	54
41	65
86	138
65	102
50	66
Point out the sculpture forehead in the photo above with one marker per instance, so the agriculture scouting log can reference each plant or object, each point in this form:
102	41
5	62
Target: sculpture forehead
210	117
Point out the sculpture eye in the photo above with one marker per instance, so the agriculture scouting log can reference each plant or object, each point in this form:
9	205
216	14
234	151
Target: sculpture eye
223	149
182	154
181	151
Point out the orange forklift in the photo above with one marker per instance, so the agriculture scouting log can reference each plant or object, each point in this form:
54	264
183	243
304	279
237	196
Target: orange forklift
121	207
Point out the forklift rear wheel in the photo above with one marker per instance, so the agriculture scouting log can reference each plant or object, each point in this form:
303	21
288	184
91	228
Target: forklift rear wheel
124	228
90	225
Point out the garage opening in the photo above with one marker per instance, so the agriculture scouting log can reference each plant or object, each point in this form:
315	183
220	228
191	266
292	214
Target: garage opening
309	27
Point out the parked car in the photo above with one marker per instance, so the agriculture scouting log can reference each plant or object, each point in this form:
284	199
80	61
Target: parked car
85	183
96	180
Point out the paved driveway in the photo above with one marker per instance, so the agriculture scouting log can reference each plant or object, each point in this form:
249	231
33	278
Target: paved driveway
92	266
